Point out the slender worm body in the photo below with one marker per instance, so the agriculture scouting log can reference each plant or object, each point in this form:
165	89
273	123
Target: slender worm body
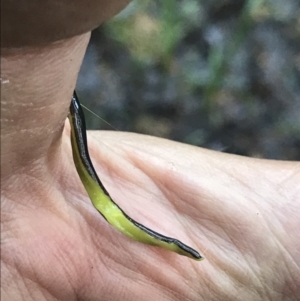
101	198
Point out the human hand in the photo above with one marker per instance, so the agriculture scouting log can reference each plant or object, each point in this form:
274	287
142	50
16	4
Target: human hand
241	214
35	23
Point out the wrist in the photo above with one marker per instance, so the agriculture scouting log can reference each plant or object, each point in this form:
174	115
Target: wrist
35	102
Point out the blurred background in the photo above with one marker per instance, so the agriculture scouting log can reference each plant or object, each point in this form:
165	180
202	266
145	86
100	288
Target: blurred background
220	74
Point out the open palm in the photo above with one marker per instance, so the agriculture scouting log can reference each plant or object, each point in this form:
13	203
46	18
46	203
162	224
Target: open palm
224	206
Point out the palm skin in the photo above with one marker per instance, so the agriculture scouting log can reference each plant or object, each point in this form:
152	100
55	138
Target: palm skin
241	214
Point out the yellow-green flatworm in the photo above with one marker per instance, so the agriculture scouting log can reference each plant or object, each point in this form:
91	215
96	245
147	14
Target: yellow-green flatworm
101	198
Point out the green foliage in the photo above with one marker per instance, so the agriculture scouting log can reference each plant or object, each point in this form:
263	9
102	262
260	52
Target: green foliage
151	31
209	68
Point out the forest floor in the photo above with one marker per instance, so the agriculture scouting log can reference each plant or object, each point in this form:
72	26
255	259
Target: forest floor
220	74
